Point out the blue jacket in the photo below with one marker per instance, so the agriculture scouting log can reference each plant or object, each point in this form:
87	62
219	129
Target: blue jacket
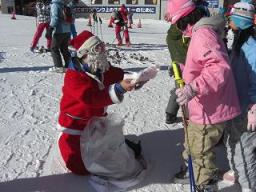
244	68
72	4
57	19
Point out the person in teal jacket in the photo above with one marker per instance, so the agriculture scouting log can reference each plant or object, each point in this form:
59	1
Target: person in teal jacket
59	30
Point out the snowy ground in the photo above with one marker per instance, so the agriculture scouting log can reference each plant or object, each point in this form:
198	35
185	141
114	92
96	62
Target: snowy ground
29	100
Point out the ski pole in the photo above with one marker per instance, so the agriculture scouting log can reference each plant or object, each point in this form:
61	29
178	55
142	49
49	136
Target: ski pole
180	83
95	21
113	40
100	21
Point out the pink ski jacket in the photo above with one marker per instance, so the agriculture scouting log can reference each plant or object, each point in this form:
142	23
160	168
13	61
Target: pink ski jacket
207	66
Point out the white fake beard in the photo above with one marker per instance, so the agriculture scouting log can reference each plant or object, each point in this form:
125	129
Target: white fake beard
98	61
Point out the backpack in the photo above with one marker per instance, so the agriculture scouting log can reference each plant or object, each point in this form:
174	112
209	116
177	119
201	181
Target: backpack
119	17
67	14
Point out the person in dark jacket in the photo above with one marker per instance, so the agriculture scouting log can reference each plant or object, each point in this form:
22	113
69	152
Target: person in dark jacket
178	46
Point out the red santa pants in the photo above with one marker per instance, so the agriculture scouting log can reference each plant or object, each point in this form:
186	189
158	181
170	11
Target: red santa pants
69	146
39	30
118	36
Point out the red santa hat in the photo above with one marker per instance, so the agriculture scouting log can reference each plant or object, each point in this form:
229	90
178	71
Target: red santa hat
179	8
84	42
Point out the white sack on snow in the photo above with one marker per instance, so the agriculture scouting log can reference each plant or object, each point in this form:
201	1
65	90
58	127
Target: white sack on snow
106	155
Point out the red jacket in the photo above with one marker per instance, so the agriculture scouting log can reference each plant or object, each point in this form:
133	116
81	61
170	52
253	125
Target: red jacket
84	96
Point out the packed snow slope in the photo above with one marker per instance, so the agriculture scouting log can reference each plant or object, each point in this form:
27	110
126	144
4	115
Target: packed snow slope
29	100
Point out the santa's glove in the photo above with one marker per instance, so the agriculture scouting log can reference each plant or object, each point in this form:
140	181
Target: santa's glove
251	125
48	34
140	85
185	94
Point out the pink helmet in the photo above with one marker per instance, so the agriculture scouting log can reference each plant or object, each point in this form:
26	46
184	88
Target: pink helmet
179	8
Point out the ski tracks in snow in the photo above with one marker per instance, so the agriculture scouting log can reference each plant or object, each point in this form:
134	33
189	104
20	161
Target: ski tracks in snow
29	104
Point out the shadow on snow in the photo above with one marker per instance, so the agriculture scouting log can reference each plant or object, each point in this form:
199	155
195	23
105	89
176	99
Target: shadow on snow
138	47
162	150
137	69
2	56
24	69
159	148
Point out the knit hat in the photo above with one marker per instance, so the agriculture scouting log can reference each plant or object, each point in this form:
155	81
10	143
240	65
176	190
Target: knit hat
179	8
122	8
242	14
84	42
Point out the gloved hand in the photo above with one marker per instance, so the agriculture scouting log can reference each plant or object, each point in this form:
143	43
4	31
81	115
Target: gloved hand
116	21
170	71
185	94
251	115
140	85
48	34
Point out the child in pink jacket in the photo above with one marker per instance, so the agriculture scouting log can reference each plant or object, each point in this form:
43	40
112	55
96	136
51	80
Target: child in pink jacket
209	93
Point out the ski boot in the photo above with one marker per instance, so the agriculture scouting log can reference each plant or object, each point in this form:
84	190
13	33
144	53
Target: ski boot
212	186
170	119
136	147
182	177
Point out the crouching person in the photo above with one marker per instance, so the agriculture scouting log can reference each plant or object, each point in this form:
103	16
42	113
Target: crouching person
90	85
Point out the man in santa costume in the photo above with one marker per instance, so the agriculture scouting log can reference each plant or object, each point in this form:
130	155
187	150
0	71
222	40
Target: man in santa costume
90	85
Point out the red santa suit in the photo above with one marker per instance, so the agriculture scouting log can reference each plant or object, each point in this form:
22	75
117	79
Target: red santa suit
84	97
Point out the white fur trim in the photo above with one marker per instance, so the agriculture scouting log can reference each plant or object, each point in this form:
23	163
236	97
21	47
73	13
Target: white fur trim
100	84
133	75
113	95
59	163
87	45
69	131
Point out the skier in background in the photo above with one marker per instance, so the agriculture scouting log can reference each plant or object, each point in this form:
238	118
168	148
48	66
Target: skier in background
59	31
43	21
121	21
